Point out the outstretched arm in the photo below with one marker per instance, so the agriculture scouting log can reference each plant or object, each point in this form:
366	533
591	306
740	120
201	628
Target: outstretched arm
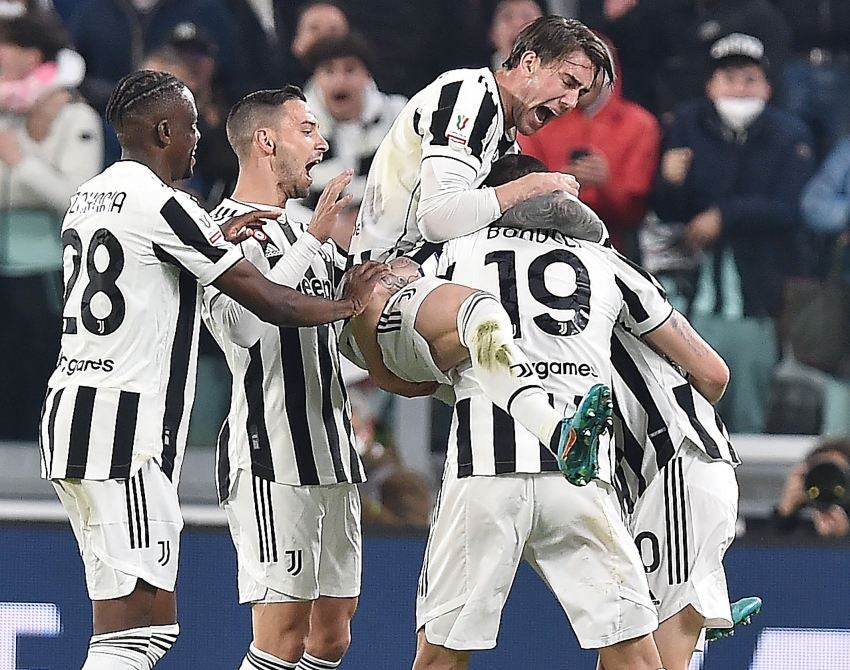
286	307
678	340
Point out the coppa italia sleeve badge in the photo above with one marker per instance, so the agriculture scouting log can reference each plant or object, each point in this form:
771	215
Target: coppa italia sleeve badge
460	129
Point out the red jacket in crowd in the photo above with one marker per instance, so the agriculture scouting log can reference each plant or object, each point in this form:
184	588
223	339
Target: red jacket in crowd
627	136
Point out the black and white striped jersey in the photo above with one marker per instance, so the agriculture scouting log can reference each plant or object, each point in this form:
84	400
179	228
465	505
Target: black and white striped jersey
134	251
564	297
458	116
656	411
289	419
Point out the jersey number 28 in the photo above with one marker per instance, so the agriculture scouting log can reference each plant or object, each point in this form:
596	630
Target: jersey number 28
99	281
578	301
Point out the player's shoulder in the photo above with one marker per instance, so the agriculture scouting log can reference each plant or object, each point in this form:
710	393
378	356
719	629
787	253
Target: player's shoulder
229	208
451	81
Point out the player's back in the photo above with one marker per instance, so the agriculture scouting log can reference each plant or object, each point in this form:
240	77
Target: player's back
459	115
134	250
564	297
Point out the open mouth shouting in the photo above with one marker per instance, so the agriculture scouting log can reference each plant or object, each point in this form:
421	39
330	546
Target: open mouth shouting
310	165
543	114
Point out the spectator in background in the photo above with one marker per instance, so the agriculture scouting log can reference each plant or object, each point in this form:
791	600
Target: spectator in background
50	142
10	9
611	146
732	169
114	35
665	43
822	480
265	29
353	114
416	41
509	18
316	20
825	206
190	55
816	79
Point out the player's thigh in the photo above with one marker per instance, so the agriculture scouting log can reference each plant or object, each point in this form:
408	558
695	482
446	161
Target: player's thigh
475	544
276	529
127	530
340	553
437	315
682	525
583	550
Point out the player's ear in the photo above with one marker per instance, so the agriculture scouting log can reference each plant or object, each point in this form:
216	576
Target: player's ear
529	61
163	133
264	141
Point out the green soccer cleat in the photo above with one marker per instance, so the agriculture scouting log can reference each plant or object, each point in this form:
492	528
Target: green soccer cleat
578	448
743	611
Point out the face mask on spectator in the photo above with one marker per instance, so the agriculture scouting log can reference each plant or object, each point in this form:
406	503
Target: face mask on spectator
739	113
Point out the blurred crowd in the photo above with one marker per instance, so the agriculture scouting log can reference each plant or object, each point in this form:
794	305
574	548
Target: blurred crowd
731	184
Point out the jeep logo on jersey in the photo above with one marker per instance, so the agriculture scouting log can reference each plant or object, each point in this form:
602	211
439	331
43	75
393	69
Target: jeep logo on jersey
318	287
543	369
296	561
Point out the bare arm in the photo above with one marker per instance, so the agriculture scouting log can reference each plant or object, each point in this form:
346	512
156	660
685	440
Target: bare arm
677	340
286	307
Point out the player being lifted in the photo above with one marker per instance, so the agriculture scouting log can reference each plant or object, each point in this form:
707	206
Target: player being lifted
287	467
114	421
424	329
564	297
423	183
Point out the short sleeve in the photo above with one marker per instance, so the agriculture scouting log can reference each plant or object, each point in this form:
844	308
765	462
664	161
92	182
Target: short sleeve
186	236
645	306
462	122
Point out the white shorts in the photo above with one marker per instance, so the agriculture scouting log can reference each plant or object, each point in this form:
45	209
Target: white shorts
294	543
683	524
127	529
405	352
572	536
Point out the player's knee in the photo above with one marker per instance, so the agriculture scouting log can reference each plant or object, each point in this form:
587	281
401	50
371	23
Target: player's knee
330	643
284	638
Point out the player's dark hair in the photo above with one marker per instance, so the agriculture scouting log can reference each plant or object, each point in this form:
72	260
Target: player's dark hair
352	44
553	38
513	166
139	92
245	114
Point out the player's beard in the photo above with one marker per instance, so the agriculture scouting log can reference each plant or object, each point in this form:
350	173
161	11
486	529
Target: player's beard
288	176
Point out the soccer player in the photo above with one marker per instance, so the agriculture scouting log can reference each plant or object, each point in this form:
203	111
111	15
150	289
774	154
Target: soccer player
114	420
564	297
425	329
676	480
423	183
287	466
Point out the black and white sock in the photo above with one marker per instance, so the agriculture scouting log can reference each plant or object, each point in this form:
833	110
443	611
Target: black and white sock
121	650
309	662
257	659
502	370
162	639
